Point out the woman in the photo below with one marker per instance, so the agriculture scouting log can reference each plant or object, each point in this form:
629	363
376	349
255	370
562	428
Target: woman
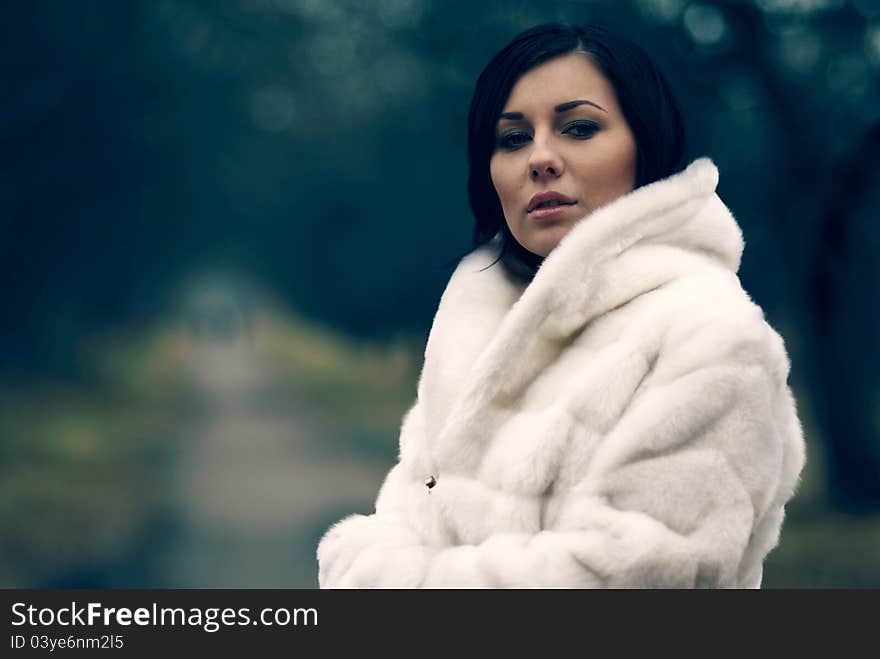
601	404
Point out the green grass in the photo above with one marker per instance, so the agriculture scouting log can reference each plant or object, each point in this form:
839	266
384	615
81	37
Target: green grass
829	551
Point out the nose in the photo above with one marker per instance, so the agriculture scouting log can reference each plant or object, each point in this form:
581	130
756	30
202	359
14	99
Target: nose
544	163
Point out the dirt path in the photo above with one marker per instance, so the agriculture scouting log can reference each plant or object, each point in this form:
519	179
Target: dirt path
256	481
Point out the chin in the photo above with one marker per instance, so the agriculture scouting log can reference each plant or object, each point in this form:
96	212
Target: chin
543	245
542	249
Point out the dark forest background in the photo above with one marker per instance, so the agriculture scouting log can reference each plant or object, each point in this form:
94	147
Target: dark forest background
226	226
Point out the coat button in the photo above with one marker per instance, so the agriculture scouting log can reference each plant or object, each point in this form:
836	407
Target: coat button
430	482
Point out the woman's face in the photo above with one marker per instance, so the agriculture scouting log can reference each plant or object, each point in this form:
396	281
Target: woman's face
562	134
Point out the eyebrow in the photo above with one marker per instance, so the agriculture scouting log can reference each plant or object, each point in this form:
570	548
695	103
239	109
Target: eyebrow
562	107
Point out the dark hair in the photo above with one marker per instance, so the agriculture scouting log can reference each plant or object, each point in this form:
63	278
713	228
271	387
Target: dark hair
642	92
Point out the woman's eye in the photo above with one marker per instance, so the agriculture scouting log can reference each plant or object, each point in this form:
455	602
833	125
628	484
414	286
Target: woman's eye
513	140
581	129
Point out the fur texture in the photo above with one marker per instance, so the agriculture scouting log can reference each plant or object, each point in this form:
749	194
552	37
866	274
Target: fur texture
622	421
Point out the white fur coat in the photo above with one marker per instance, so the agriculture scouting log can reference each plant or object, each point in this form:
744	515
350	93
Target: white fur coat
622	421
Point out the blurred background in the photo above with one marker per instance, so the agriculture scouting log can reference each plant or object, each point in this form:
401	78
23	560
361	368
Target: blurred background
226	226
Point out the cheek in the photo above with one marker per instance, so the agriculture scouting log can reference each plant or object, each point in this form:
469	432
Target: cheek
501	180
626	163
610	172
622	174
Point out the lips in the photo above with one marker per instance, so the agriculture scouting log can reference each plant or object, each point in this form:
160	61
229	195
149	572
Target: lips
549	200
550	212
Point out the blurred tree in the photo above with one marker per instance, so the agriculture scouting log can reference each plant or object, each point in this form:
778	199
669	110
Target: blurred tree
319	147
846	312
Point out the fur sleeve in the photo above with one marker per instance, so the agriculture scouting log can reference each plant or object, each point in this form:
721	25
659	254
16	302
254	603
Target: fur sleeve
386	548
687	490
374	551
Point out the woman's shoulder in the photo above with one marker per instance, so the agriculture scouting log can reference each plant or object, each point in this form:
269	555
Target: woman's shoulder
710	319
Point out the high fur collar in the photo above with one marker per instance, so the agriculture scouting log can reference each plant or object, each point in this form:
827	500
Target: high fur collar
491	336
